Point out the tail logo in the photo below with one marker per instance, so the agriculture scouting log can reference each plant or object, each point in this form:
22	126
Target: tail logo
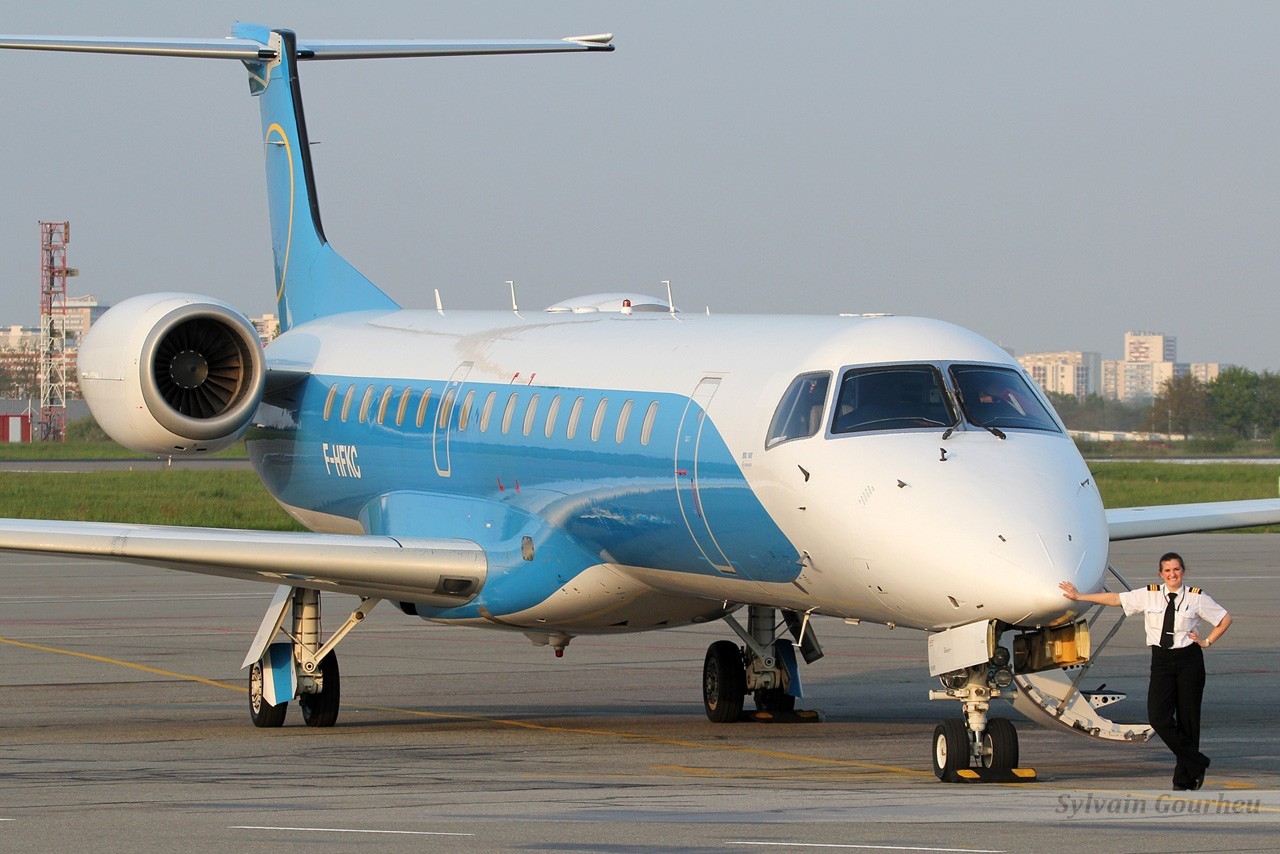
275	128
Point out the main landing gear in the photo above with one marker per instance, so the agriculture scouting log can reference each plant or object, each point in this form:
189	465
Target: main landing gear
301	667
764	667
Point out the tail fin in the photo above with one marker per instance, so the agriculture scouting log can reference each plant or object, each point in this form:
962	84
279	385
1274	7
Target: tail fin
312	280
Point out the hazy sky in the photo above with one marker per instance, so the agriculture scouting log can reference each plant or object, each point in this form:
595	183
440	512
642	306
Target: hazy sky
1048	174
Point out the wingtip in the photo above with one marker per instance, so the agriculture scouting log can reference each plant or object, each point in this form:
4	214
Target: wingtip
600	41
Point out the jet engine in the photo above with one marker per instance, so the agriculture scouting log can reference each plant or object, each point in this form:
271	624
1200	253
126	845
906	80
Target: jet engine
172	373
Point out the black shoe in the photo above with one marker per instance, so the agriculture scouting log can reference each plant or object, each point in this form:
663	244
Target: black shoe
1199	781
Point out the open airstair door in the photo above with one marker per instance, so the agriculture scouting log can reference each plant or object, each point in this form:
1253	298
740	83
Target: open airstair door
1054	697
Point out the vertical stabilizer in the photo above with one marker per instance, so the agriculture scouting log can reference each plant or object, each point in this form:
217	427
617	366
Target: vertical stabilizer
312	280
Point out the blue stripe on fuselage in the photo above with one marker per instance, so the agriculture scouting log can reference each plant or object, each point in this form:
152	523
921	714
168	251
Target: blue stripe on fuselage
580	500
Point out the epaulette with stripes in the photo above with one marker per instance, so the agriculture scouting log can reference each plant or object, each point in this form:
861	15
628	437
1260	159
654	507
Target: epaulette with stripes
1153	587
1196	590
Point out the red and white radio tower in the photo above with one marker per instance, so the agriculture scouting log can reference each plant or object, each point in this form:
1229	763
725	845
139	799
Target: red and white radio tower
54	237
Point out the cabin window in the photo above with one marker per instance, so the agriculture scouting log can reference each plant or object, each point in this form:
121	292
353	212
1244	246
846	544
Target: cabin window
487	411
446	408
623	417
530	414
509	413
364	404
346	402
404	405
328	401
646	427
574	413
553	409
382	404
799	413
893	397
421	417
464	412
598	420
1000	398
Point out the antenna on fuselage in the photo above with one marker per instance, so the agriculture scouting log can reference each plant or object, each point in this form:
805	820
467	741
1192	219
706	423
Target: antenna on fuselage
511	284
439	305
671	306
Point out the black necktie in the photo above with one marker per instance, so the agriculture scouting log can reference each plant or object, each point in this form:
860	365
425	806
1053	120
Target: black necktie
1166	632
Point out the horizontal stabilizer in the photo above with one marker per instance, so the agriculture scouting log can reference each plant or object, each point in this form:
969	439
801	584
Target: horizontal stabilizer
249	49
438	572
1132	523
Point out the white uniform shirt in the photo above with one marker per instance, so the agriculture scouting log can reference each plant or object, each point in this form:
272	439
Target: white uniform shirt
1191	605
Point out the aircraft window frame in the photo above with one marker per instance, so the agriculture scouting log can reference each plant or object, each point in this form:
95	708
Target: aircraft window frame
346	402
421	417
575	412
403	406
486	412
646	427
464	411
1018	402
620	433
553	409
892	422
446	408
530	414
328	401
509	413
365	402
382	405
597	421
790	421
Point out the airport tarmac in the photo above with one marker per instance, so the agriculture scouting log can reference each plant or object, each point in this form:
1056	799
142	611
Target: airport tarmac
123	727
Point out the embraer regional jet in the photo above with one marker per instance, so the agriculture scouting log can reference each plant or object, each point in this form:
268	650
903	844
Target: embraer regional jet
610	465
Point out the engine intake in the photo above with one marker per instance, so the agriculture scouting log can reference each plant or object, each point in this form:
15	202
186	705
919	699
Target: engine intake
172	373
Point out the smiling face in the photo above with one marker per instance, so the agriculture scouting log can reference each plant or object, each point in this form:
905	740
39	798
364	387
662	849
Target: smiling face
1171	572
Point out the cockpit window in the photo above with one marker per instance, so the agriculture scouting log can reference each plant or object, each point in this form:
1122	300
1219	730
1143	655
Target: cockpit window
891	398
799	413
1001	398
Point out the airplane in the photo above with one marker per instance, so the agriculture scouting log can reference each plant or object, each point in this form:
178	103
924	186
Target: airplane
611	465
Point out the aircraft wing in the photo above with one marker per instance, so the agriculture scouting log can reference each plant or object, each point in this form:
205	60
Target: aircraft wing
1133	523
442	572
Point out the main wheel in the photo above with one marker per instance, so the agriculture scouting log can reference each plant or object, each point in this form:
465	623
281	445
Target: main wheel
950	747
1000	745
262	713
724	682
322	709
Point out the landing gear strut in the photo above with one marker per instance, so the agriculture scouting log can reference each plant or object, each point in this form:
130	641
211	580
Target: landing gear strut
301	667
763	666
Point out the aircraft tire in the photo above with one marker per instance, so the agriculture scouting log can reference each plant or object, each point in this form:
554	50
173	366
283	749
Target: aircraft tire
322	709
1000	741
262	713
950	747
724	682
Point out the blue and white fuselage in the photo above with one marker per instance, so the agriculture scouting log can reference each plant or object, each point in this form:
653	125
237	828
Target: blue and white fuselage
632	450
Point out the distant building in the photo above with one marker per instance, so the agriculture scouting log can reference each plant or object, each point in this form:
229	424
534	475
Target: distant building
1150	347
1150	361
1206	372
1075	373
20	338
82	312
268	326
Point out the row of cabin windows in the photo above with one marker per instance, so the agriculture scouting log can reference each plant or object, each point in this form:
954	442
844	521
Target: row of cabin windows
509	412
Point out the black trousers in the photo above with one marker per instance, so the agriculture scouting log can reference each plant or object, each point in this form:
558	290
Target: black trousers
1173	707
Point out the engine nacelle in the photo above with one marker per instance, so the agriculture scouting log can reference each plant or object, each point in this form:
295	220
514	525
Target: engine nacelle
172	374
